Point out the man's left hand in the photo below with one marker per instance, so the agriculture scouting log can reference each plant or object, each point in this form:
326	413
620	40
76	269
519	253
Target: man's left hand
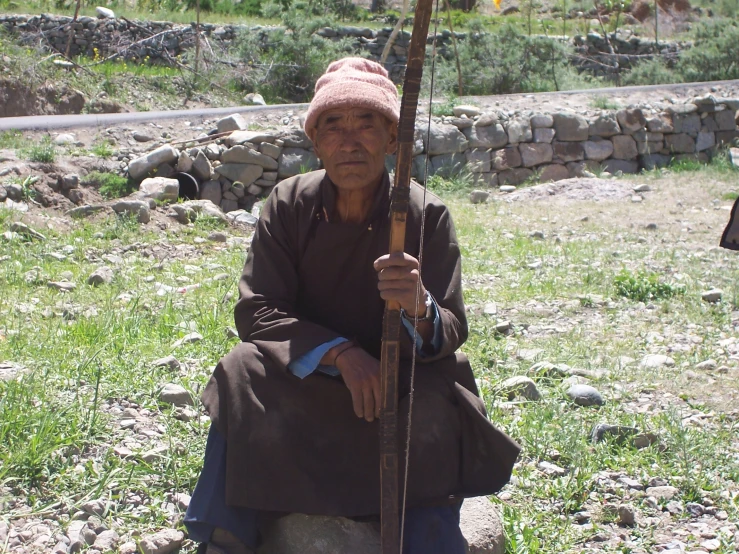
398	276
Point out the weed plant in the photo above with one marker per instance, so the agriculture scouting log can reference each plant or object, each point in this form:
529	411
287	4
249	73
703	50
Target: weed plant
44	152
109	185
643	286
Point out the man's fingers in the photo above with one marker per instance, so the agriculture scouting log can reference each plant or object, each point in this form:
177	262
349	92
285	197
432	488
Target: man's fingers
369	402
357	401
400	259
398	274
376	392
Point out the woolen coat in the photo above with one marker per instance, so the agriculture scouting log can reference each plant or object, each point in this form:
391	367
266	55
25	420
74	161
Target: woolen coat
295	445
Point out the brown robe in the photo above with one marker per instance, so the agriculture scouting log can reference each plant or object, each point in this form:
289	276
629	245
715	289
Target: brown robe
295	445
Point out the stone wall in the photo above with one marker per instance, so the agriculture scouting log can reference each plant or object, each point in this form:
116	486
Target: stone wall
498	149
163	41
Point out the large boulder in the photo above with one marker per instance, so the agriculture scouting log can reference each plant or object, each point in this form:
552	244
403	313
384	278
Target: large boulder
245	155
680	143
488	136
605	125
141	167
160	188
568	151
445	139
245	173
598	150
506	158
570	126
533	154
631	120
480	524
136	208
201	166
255	137
234	122
624	147
296	160
519	131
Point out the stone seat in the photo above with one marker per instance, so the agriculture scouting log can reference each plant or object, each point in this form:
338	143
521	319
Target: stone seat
301	534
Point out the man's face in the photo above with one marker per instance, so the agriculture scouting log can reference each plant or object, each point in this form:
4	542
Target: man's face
352	143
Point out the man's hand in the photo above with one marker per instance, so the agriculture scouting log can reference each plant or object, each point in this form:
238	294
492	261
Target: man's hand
361	373
398	276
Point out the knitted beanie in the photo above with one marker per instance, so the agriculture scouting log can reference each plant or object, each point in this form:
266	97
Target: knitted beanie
354	83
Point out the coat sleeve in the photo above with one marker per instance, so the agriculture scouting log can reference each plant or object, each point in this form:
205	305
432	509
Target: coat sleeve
441	274
265	313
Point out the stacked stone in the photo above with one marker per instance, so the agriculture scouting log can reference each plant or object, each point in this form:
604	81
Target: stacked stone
501	150
234	174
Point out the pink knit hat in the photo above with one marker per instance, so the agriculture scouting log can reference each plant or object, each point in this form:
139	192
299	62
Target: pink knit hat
350	83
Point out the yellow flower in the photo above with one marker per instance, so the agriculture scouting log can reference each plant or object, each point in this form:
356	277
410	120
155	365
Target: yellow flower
497	3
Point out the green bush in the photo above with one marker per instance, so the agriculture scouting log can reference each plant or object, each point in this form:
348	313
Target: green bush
43	152
651	72
714	55
644	287
109	185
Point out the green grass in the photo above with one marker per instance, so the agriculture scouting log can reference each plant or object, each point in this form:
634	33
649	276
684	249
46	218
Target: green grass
110	185
13	140
61	419
102	150
604	103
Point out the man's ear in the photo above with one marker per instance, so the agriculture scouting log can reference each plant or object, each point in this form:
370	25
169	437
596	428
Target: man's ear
392	144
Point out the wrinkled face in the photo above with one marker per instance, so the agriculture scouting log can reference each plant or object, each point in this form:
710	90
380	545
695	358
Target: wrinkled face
352	143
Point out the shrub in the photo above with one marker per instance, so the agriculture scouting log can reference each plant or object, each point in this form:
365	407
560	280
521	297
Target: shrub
643	286
714	55
42	153
109	185
651	72
102	150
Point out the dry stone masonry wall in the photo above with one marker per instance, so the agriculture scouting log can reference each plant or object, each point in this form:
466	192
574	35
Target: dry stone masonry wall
163	41
498	149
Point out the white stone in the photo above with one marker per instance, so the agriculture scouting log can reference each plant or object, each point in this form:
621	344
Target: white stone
176	395
64	139
161	542
234	122
160	188
712	296
469	111
104	13
654	361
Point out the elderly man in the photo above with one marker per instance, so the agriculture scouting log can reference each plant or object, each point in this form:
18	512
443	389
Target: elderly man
294	406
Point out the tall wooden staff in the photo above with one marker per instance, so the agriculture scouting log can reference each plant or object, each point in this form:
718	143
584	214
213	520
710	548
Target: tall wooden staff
389	474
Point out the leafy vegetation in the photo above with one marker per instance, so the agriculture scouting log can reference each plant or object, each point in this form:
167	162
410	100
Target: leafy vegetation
43	152
643	286
109	185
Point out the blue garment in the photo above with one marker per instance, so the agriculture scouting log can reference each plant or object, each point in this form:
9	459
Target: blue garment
310	362
430	530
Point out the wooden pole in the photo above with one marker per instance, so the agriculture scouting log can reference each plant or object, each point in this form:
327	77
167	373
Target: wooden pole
454	44
197	37
71	28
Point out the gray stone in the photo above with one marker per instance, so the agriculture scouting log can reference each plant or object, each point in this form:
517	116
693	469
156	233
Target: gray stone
160	188
469	111
271	150
94	508
507	188
71	181
654	361
64	139
486	119
543	134
541	121
618	433
447	164
244	173
712	296
3	193
255	137
296	160
570	126
14	191
445	139
26	231
605	125
478	160
520	385
624	147
106	541
479	196
140	167
598	150
623	166
553	172
515	176
228	205
218	236
705	141
585	395
184	163
104	13
652	161
626	515
136	208
506	158
211	190
140	136
679	143
631	120
734	156
660	124
482	526
568	151
550	469
664	492
201	166
170	362
686	123
176	395
519	131
646	148
297	139
234	122
726	120
533	154
245	155
488	136
161	542
707	365
242	217
102	275
85	211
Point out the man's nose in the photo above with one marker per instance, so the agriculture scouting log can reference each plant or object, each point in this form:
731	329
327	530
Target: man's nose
349	140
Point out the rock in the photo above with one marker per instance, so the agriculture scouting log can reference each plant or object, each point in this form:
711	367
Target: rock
294	161
63	286
94	507
481	526
664	492
541	121
570	126
479	196
550	469
161	189
102	275
585	395
522	386
202	207
242	217
70	181
85	211
507	158
184	162
176	395
624	147
211	190
631	120
704	141
140	167
642	188
643	440
519	131
64	139
188	339
444	139
533	154
218	236
568	151
614	166
605	126
653	361
515	176
88	535
553	172
469	111
26	231
680	143
712	296
626	515
170	362
14	192
136	208
243	173
544	134
734	155
104	13
234	122
161	542
598	150
106	541
708	365
686	123
507	188
618	433
244	155
142	136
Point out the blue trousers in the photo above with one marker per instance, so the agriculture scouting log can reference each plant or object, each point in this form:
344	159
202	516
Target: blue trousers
428	530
